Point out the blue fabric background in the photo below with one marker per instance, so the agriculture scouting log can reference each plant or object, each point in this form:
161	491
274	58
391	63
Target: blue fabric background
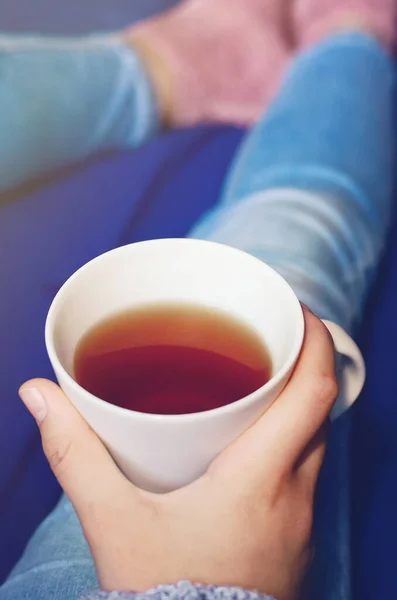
47	233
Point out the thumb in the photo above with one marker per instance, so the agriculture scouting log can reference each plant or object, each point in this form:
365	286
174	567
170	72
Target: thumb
76	455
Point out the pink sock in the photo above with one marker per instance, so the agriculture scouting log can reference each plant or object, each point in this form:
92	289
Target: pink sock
225	57
315	19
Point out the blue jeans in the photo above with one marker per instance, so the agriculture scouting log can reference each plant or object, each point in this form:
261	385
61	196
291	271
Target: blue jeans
309	192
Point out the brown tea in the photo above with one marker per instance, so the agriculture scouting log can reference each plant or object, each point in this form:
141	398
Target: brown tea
171	359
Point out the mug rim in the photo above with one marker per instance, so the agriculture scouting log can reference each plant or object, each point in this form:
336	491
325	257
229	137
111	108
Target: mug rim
171	418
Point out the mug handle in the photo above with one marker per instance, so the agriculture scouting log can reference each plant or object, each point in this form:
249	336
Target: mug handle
353	375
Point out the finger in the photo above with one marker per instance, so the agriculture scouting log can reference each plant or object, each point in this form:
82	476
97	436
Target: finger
76	455
278	439
304	407
310	463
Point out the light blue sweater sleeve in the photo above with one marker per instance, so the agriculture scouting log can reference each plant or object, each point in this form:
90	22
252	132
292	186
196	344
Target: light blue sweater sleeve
63	99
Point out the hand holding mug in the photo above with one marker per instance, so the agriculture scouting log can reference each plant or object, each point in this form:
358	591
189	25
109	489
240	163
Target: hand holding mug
246	521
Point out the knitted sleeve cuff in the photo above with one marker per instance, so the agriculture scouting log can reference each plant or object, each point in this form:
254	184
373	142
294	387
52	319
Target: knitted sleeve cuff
184	590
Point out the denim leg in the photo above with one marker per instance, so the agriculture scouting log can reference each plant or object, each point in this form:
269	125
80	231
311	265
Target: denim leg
311	187
56	564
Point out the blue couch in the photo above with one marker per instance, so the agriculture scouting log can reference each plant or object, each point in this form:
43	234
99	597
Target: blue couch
47	233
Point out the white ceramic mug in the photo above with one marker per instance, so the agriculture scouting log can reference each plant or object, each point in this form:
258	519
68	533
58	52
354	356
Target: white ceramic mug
164	452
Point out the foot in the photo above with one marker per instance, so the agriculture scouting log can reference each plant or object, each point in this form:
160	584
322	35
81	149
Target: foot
214	60
317	19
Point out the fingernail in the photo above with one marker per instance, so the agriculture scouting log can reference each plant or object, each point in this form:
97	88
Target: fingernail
307	308
34	402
